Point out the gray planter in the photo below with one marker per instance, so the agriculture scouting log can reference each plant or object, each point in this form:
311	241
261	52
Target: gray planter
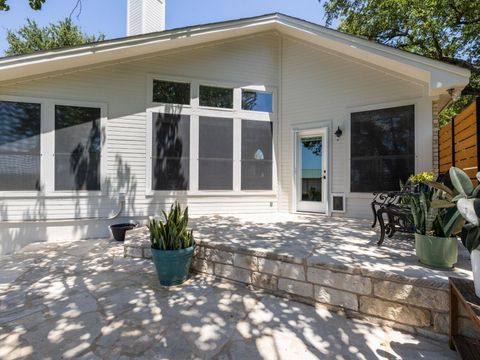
437	252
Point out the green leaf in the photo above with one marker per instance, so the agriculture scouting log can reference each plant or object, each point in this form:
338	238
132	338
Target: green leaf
461	182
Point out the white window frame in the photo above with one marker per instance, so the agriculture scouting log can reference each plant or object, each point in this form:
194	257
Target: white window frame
195	111
47	148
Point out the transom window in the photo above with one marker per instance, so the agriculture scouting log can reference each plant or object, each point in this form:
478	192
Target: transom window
382	148
19	146
216	97
257	101
170	92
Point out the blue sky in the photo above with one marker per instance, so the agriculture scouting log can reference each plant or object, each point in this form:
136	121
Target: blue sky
109	16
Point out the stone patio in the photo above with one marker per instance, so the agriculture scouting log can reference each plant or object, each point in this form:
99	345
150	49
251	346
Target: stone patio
332	261
85	300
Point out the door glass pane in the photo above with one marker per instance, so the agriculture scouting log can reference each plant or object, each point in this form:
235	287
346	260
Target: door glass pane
216	154
216	97
170	152
77	148
256	155
19	146
311	170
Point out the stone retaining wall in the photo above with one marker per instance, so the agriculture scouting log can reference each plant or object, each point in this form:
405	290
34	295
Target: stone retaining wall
413	305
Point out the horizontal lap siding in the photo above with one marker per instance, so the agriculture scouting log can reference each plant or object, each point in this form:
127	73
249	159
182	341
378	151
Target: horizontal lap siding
320	86
246	61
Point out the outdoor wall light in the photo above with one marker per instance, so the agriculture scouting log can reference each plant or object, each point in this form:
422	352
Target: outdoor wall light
338	133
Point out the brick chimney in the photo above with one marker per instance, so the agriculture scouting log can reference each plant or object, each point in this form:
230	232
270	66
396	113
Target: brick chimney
145	16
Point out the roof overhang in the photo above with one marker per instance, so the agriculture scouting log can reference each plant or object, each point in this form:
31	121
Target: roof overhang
437	75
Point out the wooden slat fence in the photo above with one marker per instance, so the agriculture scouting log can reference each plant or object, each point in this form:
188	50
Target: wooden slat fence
458	141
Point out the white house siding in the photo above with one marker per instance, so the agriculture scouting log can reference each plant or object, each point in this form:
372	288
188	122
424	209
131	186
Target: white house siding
123	87
319	86
313	86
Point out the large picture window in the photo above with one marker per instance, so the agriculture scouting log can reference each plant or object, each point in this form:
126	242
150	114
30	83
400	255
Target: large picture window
78	147
382	148
170	152
19	146
256	155
215	154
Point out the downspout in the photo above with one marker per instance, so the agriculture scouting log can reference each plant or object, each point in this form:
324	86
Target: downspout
121	206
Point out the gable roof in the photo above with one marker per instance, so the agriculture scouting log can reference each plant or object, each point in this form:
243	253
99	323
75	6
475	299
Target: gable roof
438	75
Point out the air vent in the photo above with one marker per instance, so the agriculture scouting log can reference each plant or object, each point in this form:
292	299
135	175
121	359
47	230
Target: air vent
338	203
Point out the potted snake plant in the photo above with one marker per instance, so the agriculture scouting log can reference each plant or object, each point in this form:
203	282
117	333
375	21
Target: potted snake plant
172	246
438	221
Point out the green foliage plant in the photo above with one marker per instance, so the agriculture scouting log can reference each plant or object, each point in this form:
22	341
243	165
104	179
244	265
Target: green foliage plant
469	208
173	232
435	210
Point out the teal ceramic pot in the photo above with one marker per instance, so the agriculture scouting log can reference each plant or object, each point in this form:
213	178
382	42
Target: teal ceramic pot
172	265
436	252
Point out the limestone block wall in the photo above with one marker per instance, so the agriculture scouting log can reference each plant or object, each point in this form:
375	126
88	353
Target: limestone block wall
413	305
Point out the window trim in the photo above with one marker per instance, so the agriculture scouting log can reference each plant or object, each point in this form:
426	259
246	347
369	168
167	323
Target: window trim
47	145
348	138
196	111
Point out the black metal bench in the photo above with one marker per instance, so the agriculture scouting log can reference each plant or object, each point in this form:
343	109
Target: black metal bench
398	214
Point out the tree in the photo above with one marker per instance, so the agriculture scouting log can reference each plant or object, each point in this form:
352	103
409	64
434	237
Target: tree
31	37
34	4
445	30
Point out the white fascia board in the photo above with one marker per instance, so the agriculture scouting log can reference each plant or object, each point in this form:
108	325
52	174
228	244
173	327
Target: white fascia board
438	75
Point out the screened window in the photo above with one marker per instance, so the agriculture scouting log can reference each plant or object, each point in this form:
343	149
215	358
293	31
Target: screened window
382	148
256	155
19	146
257	101
170	152
216	154
170	92
216	97
78	148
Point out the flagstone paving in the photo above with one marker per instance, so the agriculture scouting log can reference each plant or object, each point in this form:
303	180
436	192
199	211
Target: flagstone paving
84	300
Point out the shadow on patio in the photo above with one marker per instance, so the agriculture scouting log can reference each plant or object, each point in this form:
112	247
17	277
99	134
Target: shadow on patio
85	300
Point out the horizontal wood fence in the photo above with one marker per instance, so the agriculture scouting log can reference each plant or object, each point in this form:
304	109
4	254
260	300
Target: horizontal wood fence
458	141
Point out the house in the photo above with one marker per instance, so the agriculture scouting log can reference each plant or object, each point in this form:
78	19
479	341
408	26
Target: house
258	115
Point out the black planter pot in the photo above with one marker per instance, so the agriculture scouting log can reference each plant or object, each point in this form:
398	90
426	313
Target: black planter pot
119	230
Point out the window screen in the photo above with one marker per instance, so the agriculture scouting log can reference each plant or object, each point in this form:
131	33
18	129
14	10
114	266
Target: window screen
256	155
170	152
216	154
77	148
19	146
216	97
257	101
170	92
382	148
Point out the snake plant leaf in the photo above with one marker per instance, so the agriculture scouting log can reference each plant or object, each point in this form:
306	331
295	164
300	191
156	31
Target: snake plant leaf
452	226
478	176
441	187
470	210
461	182
441	204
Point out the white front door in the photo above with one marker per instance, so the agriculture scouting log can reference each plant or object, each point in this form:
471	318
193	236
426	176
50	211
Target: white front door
311	170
